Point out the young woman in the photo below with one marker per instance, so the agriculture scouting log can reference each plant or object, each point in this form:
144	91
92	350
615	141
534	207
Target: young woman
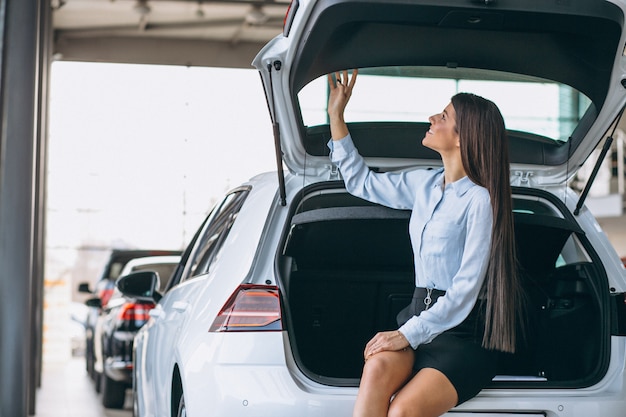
467	291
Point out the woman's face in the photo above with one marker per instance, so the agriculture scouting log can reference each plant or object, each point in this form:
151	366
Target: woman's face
442	136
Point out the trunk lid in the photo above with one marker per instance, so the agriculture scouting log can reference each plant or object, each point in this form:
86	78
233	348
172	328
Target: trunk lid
557	71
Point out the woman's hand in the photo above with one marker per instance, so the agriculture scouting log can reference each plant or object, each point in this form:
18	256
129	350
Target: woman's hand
341	86
385	341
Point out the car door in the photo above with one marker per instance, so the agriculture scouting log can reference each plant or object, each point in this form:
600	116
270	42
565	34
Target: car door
174	309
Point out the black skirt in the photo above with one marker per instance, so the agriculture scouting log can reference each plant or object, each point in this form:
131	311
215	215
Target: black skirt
457	353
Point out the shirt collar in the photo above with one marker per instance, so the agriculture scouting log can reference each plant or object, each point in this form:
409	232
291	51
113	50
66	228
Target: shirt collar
460	187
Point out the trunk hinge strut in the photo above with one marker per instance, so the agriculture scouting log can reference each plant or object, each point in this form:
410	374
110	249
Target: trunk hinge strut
276	130
605	149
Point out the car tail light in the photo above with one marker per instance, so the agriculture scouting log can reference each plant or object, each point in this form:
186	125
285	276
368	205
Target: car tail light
105	296
250	308
104	290
135	313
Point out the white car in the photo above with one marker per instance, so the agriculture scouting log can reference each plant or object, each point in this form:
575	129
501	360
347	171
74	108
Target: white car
290	275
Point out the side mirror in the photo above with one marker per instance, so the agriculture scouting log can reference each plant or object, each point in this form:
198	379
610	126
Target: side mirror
141	285
94	302
84	287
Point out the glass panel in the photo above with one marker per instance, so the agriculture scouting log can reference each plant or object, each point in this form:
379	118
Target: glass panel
216	230
573	252
528	104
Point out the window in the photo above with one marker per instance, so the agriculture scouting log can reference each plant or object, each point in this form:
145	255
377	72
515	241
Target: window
216	229
412	94
573	252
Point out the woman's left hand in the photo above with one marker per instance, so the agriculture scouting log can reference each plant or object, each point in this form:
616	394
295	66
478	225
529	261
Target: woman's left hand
340	85
385	341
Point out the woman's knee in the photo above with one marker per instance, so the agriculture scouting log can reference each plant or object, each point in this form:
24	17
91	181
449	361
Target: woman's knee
402	409
376	366
398	409
428	394
387	367
405	409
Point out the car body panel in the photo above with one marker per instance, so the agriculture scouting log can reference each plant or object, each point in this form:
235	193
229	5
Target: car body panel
185	304
164	332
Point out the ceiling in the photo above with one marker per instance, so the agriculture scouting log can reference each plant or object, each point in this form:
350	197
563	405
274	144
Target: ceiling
222	33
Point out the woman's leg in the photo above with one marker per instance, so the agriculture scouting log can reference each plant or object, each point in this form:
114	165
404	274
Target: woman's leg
383	374
428	394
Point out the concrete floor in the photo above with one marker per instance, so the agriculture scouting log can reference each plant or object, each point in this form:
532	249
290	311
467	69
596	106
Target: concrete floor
67	391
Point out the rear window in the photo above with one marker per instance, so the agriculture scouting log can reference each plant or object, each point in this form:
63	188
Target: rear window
546	109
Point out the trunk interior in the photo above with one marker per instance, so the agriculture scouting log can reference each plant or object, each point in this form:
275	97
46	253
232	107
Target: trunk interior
348	270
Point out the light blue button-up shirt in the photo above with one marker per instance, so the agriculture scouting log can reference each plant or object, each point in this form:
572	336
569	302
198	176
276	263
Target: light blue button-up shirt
450	230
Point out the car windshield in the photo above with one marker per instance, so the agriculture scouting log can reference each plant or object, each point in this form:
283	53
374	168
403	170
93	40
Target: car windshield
544	108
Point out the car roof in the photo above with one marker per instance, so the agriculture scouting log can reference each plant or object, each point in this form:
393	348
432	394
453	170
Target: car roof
119	257
149	260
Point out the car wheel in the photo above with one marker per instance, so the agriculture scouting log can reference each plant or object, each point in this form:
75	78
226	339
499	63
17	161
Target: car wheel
89	358
113	393
182	410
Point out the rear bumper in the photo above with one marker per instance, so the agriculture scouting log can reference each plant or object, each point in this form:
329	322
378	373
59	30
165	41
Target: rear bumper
259	377
118	358
119	370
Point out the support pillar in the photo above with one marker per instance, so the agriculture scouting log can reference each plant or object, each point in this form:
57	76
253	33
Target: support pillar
19	115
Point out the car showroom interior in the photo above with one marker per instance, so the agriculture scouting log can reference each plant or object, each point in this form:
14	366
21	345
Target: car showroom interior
123	126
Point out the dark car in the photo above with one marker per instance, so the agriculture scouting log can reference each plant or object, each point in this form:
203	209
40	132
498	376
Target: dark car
116	327
102	293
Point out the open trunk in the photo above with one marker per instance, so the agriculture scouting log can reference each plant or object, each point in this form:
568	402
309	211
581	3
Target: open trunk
348	270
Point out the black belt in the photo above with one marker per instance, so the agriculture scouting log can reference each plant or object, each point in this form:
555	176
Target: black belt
422	299
428	296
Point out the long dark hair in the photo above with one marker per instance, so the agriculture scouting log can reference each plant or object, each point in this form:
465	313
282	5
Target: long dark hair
485	157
